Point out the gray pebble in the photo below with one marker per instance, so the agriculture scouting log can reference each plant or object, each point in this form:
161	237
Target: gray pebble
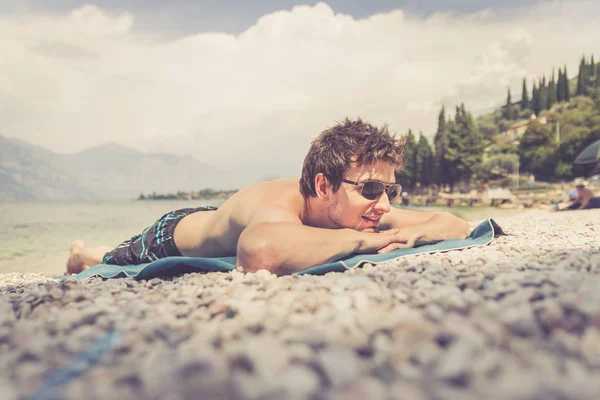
340	365
455	364
300	380
520	320
590	347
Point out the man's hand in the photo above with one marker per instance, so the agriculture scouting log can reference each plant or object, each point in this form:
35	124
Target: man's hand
388	240
424	226
405	238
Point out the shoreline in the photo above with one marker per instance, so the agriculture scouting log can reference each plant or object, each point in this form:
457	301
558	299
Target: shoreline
519	319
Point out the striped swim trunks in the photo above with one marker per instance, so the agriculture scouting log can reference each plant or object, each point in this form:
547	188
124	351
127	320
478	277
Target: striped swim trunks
156	241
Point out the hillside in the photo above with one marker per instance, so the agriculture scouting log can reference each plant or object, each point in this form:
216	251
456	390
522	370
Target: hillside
105	172
546	144
29	172
536	138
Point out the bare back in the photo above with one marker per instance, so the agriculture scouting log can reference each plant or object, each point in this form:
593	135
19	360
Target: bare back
216	233
584	195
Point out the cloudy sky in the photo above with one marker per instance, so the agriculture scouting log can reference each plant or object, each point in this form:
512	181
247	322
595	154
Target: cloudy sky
250	84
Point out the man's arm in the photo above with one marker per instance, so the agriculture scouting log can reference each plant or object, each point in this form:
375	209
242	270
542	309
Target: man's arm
584	202
425	226
278	242
578	200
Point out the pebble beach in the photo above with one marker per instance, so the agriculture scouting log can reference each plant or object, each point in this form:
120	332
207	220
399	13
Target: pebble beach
517	319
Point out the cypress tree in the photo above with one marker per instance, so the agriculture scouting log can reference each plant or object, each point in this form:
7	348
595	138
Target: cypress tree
579	78
469	144
525	96
582	79
535	100
592	67
552	96
549	92
566	86
543	94
559	87
423	161
508	113
588	78
455	151
431	166
440	143
410	153
452	154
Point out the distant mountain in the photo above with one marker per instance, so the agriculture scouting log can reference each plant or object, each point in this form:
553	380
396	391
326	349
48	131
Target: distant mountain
29	172
109	171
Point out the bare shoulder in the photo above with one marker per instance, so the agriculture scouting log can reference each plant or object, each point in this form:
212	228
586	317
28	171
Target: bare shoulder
270	201
274	214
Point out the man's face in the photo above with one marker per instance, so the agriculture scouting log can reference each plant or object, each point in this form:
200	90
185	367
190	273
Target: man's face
349	209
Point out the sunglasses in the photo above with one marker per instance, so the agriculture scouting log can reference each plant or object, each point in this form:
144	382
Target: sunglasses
372	190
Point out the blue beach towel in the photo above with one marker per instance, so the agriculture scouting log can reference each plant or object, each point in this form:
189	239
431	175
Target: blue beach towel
482	235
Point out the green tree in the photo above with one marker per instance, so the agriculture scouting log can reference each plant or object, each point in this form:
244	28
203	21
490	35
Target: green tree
552	96
525	96
566	89
475	143
582	78
440	143
560	89
588	77
431	166
592	70
407	177
542	155
498	164
508	108
488	126
465	148
536	150
580	126
424	162
535	100
598	75
453	153
543	94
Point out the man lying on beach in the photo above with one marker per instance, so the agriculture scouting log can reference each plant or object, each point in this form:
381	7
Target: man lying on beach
585	199
339	206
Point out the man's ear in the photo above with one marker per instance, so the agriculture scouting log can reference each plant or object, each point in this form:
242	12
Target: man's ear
322	186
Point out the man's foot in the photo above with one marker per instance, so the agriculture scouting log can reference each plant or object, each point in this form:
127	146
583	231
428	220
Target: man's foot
75	264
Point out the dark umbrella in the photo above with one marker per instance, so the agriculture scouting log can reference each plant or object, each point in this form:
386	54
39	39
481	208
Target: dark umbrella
590	154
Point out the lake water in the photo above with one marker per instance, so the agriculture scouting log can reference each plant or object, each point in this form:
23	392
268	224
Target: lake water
36	236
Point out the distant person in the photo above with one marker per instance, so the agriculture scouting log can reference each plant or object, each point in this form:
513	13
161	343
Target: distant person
572	194
339	206
585	199
482	190
531	180
405	199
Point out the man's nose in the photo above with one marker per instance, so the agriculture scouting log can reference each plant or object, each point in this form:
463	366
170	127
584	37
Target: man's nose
383	204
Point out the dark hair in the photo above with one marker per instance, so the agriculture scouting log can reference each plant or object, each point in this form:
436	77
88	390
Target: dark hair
335	149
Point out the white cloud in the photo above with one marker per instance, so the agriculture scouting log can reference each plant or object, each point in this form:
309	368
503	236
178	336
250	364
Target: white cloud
500	65
257	99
